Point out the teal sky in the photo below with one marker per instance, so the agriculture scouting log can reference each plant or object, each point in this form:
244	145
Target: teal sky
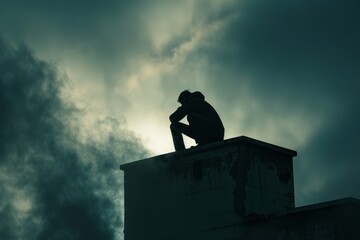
284	72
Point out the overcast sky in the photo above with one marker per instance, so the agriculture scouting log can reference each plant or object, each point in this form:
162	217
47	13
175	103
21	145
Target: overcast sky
87	80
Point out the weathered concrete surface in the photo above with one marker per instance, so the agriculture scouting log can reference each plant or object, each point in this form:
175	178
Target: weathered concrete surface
334	220
206	190
338	220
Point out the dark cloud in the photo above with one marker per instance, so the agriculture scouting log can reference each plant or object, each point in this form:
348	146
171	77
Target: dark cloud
307	48
104	35
327	167
280	59
55	183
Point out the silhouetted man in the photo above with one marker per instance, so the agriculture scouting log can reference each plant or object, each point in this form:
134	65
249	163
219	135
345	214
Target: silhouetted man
205	125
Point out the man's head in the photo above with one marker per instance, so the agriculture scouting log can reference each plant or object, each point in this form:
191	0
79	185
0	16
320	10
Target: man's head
183	96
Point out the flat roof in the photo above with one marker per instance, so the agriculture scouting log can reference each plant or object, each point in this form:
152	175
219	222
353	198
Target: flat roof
306	208
203	148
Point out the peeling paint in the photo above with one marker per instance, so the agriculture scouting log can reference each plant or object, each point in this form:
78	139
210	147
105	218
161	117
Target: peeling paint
236	189
199	190
239	175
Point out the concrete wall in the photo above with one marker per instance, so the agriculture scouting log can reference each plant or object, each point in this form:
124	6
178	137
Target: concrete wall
205	189
335	220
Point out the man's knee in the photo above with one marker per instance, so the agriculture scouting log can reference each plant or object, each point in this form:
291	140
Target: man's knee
174	126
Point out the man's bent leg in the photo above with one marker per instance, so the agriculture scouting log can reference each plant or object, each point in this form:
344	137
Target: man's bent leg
206	131
177	137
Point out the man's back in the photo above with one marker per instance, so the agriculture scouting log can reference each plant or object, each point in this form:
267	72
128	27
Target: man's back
197	105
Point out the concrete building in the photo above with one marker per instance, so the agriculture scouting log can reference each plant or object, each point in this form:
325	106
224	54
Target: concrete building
240	188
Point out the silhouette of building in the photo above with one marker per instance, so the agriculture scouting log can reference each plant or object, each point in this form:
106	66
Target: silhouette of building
240	188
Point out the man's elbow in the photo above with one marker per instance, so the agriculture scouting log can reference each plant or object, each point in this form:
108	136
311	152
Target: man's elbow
174	118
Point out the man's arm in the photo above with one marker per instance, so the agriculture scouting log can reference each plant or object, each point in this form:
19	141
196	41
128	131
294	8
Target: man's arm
179	114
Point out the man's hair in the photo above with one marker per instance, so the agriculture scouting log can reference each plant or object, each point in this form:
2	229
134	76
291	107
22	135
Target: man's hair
183	95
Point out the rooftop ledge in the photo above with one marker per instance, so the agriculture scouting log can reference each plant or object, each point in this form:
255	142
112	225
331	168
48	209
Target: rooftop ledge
212	146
